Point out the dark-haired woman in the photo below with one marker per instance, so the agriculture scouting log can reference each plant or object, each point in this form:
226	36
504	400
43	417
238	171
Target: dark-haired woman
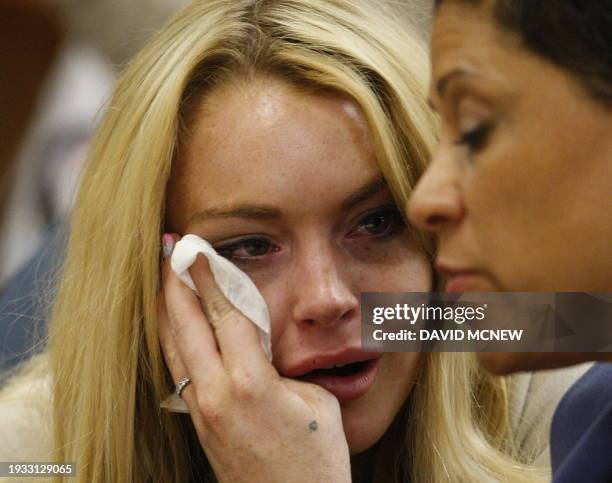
520	189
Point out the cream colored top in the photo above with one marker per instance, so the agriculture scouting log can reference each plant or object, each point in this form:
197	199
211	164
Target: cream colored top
534	397
25	420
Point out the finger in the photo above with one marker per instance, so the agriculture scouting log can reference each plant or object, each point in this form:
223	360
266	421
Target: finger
172	357
192	334
237	336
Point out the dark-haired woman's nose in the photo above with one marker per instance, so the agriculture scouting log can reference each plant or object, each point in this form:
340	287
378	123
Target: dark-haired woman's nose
321	295
436	202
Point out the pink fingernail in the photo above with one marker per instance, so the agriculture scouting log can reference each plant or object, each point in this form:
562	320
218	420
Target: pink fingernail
168	244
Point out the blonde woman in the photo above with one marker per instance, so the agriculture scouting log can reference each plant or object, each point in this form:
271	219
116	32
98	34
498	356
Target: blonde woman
286	133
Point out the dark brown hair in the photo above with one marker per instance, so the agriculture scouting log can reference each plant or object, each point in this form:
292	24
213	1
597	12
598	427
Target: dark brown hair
575	35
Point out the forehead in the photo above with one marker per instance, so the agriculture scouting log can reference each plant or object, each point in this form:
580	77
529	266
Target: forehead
466	37
266	141
461	28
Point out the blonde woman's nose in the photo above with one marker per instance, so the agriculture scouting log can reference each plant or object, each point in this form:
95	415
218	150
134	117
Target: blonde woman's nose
321	295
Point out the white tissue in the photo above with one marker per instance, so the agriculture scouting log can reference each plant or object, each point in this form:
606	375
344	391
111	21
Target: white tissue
236	285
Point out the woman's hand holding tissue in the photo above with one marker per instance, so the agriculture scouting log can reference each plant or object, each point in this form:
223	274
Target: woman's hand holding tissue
253	424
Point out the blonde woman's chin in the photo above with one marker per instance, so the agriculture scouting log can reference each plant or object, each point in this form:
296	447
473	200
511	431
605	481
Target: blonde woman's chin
367	419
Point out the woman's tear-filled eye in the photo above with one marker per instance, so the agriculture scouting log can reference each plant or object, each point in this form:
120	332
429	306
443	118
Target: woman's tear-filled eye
380	223
247	248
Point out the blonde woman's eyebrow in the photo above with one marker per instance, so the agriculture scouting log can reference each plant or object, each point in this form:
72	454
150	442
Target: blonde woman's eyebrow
268	212
364	193
250	211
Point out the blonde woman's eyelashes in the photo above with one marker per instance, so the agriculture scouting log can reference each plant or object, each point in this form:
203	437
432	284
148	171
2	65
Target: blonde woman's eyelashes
250	247
379	224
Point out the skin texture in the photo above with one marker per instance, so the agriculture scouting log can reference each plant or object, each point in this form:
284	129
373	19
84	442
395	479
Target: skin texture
524	206
303	155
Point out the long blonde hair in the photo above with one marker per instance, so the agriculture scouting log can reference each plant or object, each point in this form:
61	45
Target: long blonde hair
108	372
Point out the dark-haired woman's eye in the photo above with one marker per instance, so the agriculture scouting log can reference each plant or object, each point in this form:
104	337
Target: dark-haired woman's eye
246	248
477	138
381	223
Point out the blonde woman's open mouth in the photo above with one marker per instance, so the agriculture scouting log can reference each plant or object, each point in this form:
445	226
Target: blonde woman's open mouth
348	374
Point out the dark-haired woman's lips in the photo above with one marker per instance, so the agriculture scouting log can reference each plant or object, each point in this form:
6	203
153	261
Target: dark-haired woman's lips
461	280
464	282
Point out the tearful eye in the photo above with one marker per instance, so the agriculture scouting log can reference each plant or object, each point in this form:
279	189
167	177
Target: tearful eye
377	224
380	223
246	248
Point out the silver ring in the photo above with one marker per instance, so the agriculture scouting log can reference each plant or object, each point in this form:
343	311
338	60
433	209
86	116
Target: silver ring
181	385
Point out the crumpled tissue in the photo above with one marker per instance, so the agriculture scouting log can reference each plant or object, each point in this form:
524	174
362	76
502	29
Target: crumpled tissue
236	285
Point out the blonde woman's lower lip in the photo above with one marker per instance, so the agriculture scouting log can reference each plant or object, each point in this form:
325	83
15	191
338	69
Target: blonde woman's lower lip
347	388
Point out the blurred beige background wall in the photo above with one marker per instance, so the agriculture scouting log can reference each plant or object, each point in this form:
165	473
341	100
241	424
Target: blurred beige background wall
118	27
57	92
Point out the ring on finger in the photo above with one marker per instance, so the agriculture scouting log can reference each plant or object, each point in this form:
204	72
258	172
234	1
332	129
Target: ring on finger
181	385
